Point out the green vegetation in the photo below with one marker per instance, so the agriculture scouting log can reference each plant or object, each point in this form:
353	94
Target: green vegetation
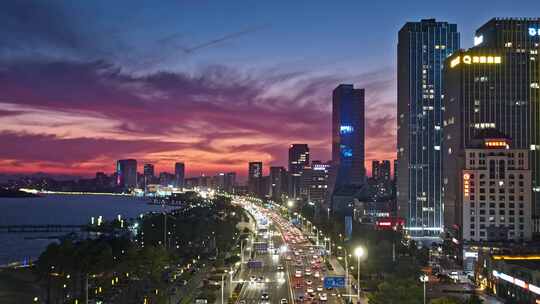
128	270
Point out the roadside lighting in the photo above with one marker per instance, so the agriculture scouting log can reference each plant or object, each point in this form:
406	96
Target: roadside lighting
424	279
359	252
36	299
290	203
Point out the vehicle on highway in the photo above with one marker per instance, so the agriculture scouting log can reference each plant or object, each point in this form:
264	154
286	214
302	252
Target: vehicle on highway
265	296
319	288
309	282
309	290
252	279
283	301
323	297
280	267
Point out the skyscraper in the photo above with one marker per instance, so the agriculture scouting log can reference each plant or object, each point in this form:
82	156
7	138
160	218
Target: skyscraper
179	174
348	146
298	159
126	173
318	182
255	174
148	174
380	170
422	48
495	87
278	182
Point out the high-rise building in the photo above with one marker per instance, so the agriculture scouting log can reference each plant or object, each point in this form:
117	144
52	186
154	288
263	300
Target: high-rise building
148	174
298	159
278	182
380	170
230	182
166	179
348	144
255	174
179	174
493	86
318	182
422	48
495	200
149	170
126	173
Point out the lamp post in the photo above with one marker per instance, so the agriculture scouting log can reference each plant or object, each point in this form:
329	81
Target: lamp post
359	253
424	279
222	287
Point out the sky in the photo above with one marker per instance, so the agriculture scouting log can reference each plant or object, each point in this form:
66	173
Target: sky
214	84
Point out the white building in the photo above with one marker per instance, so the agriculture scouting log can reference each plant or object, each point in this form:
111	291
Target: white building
496	182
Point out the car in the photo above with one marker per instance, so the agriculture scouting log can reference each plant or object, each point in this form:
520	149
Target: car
283	301
316	274
252	279
280	268
309	282
260	279
309	290
323	297
265	296
320	288
300	298
308	273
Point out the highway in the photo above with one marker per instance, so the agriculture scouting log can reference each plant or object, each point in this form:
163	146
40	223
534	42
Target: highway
292	269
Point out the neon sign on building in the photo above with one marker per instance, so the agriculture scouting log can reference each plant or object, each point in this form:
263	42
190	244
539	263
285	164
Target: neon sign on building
346	129
466	178
468	59
534	31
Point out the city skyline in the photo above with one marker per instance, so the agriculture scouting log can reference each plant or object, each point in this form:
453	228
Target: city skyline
99	100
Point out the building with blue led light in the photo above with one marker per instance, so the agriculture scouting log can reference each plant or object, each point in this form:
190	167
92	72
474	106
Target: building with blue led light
347	137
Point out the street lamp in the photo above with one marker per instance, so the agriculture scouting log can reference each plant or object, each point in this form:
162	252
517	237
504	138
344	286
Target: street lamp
424	279
290	203
359	252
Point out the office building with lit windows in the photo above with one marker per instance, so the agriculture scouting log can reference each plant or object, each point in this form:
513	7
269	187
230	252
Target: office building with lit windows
348	143
422	49
255	178
278	183
495	200
126	173
179	174
493	86
298	160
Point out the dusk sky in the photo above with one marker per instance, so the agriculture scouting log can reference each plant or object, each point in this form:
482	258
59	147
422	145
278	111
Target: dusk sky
212	83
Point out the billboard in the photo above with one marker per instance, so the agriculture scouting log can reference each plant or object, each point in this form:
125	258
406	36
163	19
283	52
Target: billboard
348	227
334	282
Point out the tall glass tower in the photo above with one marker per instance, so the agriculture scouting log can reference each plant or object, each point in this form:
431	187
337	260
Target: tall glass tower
422	48
348	146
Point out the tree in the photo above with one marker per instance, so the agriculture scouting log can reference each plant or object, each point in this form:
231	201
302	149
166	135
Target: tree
474	299
444	300
397	291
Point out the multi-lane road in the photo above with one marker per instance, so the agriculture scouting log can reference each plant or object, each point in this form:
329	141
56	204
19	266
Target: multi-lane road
292	270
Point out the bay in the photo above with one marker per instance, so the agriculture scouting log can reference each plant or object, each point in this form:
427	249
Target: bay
58	209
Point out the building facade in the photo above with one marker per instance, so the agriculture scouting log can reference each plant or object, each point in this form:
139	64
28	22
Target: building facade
255	178
318	183
348	143
422	49
298	160
179	174
496	197
126	173
494	85
380	170
278	183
